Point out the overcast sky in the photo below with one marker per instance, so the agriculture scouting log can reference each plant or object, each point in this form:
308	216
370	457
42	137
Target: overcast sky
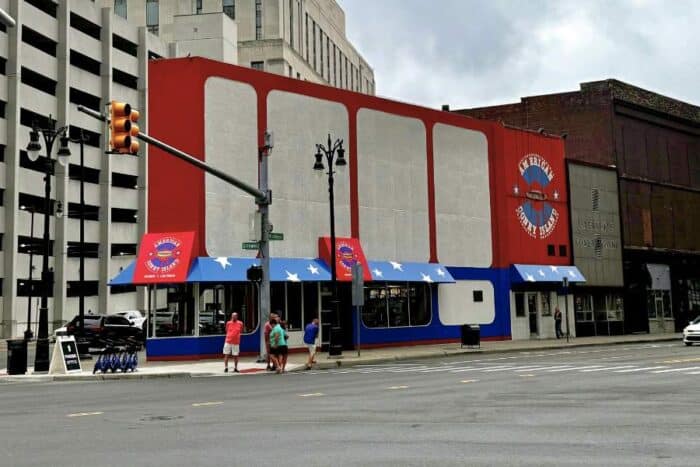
470	53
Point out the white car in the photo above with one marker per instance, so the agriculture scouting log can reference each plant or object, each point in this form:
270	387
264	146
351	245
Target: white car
134	316
691	333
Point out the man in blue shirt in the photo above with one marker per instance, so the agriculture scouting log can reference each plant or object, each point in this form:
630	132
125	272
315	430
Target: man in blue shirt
310	336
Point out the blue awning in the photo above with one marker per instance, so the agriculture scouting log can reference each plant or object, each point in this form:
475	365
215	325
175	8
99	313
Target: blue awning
228	269
125	276
390	271
542	273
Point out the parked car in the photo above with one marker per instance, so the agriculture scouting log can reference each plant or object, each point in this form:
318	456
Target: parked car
98	328
134	316
691	333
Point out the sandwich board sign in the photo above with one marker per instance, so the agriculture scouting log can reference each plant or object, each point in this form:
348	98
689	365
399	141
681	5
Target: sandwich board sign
65	357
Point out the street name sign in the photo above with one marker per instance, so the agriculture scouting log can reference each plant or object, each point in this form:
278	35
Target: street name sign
276	236
250	245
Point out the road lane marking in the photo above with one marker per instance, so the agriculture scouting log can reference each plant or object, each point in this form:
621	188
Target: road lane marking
83	414
391	388
607	368
683	360
206	404
575	368
526	376
467	381
312	394
677	369
646	368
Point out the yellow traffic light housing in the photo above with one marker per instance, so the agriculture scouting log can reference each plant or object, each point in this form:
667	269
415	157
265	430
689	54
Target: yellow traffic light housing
123	128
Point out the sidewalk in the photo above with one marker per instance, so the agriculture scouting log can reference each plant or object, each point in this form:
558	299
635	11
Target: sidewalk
248	365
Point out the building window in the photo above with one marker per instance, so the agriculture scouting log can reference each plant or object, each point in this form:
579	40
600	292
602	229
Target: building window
291	23
328	56
258	66
198	7
335	66
551	250
258	20
229	8
320	39
397	305
595	199
562	250
120	8
478	296
583	307
152	16
306	34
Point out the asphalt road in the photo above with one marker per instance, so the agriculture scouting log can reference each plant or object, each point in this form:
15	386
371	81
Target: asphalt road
633	405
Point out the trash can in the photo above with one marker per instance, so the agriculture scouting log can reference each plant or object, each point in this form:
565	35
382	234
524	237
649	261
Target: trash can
16	357
471	335
335	346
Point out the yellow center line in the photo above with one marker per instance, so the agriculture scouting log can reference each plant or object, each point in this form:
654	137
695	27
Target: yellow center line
312	394
397	387
527	376
466	381
206	404
83	414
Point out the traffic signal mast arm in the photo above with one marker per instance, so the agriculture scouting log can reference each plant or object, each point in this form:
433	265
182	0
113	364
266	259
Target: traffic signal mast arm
261	197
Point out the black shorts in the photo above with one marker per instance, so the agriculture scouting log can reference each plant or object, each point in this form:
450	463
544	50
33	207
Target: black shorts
280	350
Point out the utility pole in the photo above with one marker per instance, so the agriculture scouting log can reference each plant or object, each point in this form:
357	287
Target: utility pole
264	245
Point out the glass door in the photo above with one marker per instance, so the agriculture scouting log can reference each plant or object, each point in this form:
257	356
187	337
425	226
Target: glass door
532	313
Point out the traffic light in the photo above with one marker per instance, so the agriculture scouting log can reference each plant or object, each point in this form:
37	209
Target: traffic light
123	127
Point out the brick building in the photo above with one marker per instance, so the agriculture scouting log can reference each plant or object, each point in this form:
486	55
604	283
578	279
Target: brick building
652	142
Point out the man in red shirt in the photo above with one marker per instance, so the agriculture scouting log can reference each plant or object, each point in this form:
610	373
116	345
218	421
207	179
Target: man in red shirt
232	345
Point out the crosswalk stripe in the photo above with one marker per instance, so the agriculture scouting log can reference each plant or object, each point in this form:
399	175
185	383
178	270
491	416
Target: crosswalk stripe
633	370
607	368
672	370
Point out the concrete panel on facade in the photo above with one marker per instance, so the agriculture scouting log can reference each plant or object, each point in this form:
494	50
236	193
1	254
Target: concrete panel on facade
595	224
231	146
457	305
462	199
300	207
392	186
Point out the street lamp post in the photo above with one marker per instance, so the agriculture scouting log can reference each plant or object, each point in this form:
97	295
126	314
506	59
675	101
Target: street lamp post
330	152
82	139
50	134
28	332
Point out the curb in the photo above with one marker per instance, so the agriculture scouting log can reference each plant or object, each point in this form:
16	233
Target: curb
328	365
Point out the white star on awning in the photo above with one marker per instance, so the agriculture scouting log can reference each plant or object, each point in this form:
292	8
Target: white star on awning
223	261
426	277
541	272
396	265
292	277
377	272
312	269
553	268
572	274
440	272
530	277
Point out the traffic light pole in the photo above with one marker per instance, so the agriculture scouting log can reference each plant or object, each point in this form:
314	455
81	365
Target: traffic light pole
262	195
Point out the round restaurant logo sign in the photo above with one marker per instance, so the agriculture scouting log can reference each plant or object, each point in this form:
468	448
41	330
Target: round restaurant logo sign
536	214
347	256
164	255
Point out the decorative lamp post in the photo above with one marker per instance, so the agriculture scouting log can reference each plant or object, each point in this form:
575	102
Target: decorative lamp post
334	154
50	134
28	334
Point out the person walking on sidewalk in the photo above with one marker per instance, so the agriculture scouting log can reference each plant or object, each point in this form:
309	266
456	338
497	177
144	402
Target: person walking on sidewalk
232	344
271	366
310	335
557	323
278	347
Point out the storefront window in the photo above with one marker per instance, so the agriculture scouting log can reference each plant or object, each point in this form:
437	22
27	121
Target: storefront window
583	305
396	305
212	318
668	311
615	307
546	310
294	306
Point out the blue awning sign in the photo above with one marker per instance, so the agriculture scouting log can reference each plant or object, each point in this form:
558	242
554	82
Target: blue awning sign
545	273
388	271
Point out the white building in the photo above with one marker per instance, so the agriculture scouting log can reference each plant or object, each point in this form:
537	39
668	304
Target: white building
302	39
89	52
61	55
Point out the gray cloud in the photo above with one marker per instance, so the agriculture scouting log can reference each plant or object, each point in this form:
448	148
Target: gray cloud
472	53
